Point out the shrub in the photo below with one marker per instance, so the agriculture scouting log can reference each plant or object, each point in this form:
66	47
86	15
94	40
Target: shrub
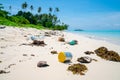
19	19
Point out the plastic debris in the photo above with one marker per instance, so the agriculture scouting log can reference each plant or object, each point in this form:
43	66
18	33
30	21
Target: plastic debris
73	42
84	59
64	56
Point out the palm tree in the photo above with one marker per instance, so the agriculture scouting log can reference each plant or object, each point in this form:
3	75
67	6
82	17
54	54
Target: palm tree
10	8
31	8
50	10
24	5
1	6
39	9
57	9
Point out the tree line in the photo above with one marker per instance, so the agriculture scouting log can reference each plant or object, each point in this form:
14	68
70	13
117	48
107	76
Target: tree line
48	20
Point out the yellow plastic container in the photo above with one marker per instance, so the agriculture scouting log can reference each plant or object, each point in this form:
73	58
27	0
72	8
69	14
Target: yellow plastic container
64	56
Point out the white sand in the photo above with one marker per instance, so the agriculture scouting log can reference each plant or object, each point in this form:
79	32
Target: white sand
12	53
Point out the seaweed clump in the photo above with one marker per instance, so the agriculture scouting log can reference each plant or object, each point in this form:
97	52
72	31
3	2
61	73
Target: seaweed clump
78	69
108	55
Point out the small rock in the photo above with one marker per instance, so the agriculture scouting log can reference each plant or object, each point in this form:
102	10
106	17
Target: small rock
24	54
11	65
2	39
0	61
2	27
84	59
95	60
25	35
32	55
54	52
4	72
42	64
89	52
1	52
3	46
38	43
47	34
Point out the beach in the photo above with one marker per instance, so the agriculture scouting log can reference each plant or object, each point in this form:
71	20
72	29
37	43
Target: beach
20	60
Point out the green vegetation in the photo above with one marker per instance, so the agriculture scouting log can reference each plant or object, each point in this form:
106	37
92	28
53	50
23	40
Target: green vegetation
24	18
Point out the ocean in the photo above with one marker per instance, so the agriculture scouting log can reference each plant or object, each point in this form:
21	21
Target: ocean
112	36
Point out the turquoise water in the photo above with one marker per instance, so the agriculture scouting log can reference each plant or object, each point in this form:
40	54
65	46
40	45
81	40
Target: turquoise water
110	36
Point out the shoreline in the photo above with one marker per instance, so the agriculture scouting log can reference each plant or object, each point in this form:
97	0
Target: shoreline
19	59
113	37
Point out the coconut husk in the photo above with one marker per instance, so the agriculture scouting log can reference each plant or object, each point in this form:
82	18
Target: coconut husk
78	69
61	39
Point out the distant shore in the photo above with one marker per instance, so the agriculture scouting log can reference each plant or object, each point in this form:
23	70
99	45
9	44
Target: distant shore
20	60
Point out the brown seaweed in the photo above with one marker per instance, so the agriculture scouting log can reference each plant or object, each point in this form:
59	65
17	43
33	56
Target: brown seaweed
78	69
108	55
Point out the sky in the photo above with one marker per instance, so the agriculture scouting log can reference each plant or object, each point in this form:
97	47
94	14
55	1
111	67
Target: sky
79	14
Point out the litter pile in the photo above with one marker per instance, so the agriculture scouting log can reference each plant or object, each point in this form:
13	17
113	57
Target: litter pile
108	55
78	69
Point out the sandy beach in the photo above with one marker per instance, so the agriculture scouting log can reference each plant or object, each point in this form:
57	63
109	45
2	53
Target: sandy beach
20	60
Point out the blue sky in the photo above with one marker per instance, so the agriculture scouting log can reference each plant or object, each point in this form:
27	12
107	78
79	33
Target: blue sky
83	14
